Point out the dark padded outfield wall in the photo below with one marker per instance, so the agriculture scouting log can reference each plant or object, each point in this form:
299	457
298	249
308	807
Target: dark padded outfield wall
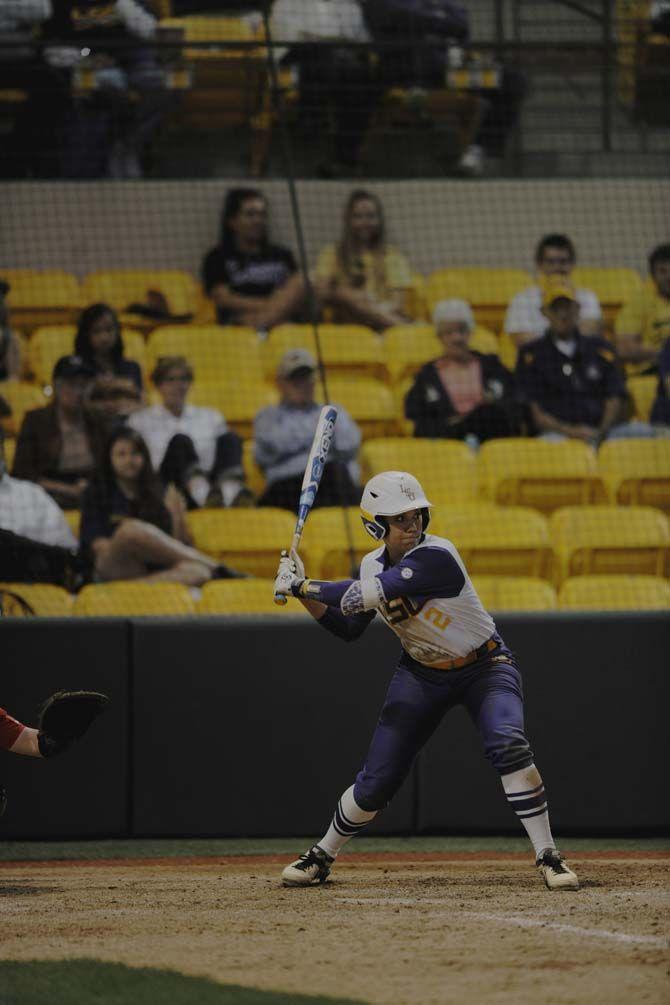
597	692
249	729
83	792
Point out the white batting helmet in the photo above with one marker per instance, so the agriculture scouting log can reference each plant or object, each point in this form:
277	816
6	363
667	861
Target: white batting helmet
388	494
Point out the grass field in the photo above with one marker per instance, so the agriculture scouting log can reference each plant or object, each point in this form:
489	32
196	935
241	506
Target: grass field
428	921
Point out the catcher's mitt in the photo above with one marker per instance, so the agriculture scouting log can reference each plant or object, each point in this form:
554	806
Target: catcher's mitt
65	717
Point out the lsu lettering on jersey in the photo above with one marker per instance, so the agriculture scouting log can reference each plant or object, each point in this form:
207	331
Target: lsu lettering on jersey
433	622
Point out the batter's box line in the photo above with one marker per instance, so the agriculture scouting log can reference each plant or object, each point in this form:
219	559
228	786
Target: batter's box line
509	919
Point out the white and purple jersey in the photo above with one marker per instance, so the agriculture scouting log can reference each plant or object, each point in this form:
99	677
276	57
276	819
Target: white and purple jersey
427	599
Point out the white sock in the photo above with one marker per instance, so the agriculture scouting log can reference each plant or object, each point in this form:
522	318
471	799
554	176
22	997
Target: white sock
348	820
525	794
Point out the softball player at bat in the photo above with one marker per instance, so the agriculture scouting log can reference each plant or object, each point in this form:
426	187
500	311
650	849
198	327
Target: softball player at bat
451	655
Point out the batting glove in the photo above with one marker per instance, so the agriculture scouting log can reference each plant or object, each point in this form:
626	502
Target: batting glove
286	575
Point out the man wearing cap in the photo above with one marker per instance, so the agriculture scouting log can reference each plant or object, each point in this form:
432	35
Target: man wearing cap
283	436
571	382
61	445
463	394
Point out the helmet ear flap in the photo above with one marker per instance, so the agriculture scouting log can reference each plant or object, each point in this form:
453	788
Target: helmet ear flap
377	527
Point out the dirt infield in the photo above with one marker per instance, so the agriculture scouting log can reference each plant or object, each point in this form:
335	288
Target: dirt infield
421	930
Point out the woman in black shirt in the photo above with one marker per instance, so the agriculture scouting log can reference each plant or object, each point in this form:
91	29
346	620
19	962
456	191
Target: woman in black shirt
131	529
99	343
251	281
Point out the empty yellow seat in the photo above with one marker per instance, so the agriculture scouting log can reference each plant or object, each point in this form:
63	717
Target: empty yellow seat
445	468
50	296
73	519
253	473
122	287
49	342
515	593
347	349
614	593
488	290
415	298
609	539
643	392
44	599
21	398
244	596
368	401
637	471
249	540
536	473
505	541
612	286
214	351
10	450
132	598
408	347
326	542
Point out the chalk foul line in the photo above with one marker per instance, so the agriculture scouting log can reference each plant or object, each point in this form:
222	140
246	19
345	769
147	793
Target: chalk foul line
509	919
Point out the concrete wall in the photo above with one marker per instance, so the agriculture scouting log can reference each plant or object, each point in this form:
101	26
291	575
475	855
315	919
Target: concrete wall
260	732
84	226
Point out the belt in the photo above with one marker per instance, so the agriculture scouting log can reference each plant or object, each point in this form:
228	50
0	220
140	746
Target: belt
463	661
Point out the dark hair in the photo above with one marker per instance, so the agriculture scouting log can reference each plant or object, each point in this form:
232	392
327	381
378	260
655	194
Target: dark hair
235	197
164	364
89	317
149	490
347	253
659	254
555	241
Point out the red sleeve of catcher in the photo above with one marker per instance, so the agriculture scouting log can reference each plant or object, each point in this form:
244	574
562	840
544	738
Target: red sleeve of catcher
10	730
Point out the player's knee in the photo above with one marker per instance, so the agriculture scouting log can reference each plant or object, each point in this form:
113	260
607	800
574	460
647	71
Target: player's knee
509	750
372	794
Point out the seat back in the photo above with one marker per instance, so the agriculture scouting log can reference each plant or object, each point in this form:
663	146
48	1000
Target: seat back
48	296
245	596
408	347
133	598
637	471
45	600
614	593
331	533
539	474
612	286
21	398
253	474
212	350
643	392
345	349
515	593
121	287
489	290
445	468
509	541
609	539
248	540
49	342
368	401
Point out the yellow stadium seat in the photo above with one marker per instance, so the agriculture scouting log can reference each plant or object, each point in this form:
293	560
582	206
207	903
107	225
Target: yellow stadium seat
351	349
73	518
21	398
637	471
122	287
46	297
507	541
445	468
408	347
246	539
515	593
643	392
212	350
507	351
244	596
326	542
238	400
368	401
609	539
488	290
253	473
415	299
540	474
49	342
614	593
10	449
46	600
612	286
132	598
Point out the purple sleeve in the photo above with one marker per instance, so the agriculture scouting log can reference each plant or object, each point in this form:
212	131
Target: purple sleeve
347	627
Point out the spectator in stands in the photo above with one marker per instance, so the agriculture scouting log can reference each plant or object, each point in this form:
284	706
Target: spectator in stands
555	257
283	436
571	383
643	323
112	135
362	278
115	398
29	512
251	281
337	83
61	445
464	393
191	447
100	345
10	352
660	410
134	529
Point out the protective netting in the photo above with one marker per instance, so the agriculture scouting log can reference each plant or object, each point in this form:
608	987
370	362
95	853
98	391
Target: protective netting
215	220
